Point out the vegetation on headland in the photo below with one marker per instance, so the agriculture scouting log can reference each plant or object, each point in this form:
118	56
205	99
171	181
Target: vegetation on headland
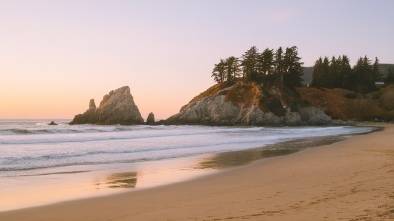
349	105
366	89
282	68
342	91
337	73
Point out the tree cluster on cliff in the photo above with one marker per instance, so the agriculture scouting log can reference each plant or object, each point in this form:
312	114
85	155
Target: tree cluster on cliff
337	73
283	68
390	76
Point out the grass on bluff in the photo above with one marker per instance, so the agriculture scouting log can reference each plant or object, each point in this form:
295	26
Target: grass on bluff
246	94
348	105
209	92
332	101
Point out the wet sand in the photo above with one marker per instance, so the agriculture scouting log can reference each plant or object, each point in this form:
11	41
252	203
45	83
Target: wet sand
348	180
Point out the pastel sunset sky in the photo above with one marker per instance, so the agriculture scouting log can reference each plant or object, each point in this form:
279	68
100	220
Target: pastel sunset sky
57	55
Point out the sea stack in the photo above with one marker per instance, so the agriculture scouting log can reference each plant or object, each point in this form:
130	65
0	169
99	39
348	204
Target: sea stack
151	119
117	107
52	123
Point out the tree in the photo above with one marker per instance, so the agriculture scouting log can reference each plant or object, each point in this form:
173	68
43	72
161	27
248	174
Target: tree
266	62
377	74
325	72
334	73
292	68
364	76
321	73
266	67
219	71
316	74
249	62
279	67
390	76
346	73
232	68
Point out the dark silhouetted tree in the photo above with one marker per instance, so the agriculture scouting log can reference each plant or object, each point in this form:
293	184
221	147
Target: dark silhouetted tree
321	73
377	74
316	74
279	66
390	76
219	72
266	62
292	68
232	67
364	76
346	73
249	62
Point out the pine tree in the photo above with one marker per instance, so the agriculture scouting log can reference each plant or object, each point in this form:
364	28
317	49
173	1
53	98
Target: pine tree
378	75
249	62
363	76
316	74
390	76
266	62
292	68
219	71
279	66
232	68
325	73
346	73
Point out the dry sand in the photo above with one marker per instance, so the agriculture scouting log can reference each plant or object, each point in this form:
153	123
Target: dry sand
348	180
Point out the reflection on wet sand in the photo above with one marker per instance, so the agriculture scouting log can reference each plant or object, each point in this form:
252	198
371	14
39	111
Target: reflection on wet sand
243	157
122	180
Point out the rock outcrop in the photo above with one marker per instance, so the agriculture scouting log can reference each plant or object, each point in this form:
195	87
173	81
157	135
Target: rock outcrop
117	107
53	123
248	104
151	119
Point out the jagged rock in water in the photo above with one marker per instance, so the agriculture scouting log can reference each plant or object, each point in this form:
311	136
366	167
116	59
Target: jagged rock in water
52	123
247	104
117	107
151	119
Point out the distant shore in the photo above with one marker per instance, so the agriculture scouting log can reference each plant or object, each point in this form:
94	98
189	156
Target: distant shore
350	180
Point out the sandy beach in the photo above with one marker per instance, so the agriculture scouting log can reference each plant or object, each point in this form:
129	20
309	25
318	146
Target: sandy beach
348	180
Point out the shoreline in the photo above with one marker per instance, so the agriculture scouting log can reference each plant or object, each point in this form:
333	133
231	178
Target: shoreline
163	201
72	183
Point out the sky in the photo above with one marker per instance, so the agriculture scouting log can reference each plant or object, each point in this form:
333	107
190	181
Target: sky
57	55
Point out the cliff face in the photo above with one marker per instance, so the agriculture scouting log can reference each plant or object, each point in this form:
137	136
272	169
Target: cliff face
117	107
249	104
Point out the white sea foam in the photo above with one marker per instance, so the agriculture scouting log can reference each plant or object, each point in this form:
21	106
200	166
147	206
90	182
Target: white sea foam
33	145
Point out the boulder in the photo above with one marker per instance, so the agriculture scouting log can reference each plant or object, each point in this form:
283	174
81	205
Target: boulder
117	107
314	116
52	123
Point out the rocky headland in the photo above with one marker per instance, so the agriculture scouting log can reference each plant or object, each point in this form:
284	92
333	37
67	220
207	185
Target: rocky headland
250	104
117	107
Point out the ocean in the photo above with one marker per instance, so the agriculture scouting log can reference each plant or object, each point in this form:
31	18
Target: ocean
34	155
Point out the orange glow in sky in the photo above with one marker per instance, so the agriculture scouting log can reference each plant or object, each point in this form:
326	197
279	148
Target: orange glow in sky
56	55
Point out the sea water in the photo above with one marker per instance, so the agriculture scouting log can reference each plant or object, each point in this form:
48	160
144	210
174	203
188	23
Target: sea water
34	154
27	146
